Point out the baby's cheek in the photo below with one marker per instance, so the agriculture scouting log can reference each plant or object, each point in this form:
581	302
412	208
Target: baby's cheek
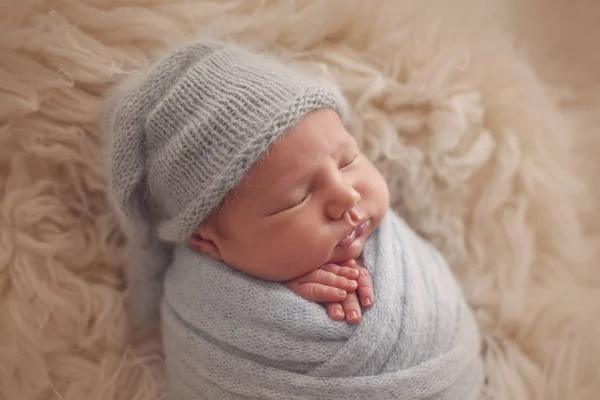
317	250
307	238
375	190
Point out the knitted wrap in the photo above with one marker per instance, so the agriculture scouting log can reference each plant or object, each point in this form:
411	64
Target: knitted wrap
228	336
183	133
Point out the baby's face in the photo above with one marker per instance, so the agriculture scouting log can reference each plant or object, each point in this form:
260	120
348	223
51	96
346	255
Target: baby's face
313	199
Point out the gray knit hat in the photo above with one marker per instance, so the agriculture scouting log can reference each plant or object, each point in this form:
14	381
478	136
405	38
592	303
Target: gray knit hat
185	131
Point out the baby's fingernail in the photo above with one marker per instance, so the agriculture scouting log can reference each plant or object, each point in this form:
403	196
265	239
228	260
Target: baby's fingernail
341	292
367	301
352	283
338	313
353	315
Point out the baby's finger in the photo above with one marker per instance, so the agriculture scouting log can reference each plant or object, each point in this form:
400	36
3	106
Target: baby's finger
352	308
365	288
317	292
335	311
347	272
328	278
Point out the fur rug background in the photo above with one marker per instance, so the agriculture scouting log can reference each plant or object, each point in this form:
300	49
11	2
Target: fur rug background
480	114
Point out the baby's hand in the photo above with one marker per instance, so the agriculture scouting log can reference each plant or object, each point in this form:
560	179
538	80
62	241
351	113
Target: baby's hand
329	284
350	306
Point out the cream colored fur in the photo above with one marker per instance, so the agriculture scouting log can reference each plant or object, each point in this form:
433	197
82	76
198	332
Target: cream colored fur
485	156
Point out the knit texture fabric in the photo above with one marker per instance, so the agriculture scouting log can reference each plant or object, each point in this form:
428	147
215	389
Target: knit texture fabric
184	132
229	336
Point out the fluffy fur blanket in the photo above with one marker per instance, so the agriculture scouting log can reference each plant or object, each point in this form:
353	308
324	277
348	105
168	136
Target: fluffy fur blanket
483	157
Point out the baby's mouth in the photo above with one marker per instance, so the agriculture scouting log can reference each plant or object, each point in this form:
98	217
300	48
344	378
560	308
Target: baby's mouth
354	234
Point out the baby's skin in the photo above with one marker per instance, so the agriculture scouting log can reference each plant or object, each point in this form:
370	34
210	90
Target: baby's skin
342	288
302	215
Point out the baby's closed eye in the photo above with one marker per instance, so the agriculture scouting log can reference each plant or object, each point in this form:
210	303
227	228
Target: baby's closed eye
346	162
292	203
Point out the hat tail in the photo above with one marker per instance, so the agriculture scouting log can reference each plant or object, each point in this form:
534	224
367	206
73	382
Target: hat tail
149	256
149	259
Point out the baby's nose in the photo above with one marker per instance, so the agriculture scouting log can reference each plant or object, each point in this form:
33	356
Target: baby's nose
352	196
343	202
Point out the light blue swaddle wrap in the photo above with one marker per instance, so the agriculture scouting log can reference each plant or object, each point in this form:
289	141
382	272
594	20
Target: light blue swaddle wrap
229	336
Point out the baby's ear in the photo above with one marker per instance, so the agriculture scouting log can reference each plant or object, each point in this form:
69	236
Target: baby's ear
203	241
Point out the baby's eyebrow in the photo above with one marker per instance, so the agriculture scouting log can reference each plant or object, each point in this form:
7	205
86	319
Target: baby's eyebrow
293	179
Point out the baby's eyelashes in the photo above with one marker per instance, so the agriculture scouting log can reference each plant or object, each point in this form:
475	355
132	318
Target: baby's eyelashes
298	202
291	205
302	200
348	161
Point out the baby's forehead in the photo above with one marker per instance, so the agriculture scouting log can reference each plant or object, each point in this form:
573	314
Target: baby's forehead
315	139
299	145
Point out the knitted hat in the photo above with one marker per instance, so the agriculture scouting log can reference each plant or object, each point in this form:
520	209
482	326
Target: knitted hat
184	132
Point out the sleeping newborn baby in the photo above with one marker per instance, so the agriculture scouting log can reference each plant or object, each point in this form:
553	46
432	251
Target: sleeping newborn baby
312	202
261	236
